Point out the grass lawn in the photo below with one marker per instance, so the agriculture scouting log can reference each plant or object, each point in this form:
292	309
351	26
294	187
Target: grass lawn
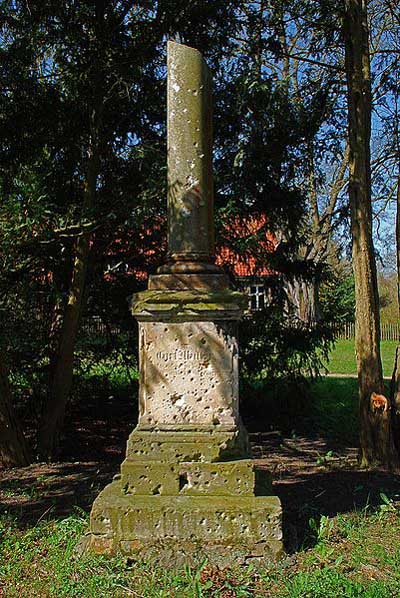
342	359
334	409
356	555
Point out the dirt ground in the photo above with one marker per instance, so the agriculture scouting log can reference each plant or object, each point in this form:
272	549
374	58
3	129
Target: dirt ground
311	477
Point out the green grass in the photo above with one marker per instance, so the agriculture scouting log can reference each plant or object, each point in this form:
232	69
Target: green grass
356	555
333	412
334	409
342	359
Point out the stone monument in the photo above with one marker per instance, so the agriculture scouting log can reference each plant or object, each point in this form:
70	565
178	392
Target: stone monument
188	486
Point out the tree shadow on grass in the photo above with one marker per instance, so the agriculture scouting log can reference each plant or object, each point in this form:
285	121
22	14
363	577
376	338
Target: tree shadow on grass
311	480
51	491
330	493
314	473
314	459
92	449
307	490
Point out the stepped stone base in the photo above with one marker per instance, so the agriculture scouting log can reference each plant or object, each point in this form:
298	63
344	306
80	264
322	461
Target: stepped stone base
186	494
177	529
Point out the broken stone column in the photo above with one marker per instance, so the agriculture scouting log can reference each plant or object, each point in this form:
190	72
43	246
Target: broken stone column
188	486
190	186
190	262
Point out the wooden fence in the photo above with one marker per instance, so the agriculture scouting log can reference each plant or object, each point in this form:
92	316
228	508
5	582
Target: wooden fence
389	331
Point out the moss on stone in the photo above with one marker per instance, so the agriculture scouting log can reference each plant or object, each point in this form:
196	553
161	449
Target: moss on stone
191	302
176	446
229	478
221	527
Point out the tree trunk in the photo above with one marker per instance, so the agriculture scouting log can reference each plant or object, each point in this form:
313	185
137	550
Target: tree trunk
376	435
309	302
395	386
61	376
62	371
13	448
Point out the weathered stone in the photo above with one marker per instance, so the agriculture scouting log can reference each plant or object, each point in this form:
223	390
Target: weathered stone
188	305
212	518
231	478
178	443
187	487
184	280
190	186
223	526
189	373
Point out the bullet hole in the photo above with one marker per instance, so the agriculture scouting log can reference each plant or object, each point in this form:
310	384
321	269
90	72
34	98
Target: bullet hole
183	481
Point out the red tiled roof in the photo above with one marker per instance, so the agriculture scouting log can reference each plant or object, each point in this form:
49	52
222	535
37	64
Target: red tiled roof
249	262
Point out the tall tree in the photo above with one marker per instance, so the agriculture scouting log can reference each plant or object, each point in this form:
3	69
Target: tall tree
395	386
376	433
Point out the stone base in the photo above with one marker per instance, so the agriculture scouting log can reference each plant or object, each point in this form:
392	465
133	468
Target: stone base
188	494
232	478
186	529
188	443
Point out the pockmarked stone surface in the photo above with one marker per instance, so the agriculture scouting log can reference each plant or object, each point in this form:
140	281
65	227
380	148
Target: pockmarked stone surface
187	443
188	488
186	528
189	373
190	186
230	478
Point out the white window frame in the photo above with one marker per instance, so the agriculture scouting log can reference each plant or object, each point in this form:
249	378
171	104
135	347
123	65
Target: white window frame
256	294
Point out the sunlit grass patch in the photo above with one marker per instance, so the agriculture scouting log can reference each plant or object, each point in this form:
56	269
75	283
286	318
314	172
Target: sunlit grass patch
355	555
342	359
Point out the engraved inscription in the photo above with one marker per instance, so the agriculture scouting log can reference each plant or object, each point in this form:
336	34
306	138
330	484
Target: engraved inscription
185	354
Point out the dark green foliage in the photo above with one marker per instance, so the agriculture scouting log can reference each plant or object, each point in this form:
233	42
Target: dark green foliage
277	348
264	126
59	62
337	298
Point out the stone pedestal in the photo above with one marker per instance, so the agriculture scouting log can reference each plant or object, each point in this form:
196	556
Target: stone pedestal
188	488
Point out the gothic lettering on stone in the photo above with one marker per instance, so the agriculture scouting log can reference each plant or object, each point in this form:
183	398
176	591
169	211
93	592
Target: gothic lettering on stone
184	354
